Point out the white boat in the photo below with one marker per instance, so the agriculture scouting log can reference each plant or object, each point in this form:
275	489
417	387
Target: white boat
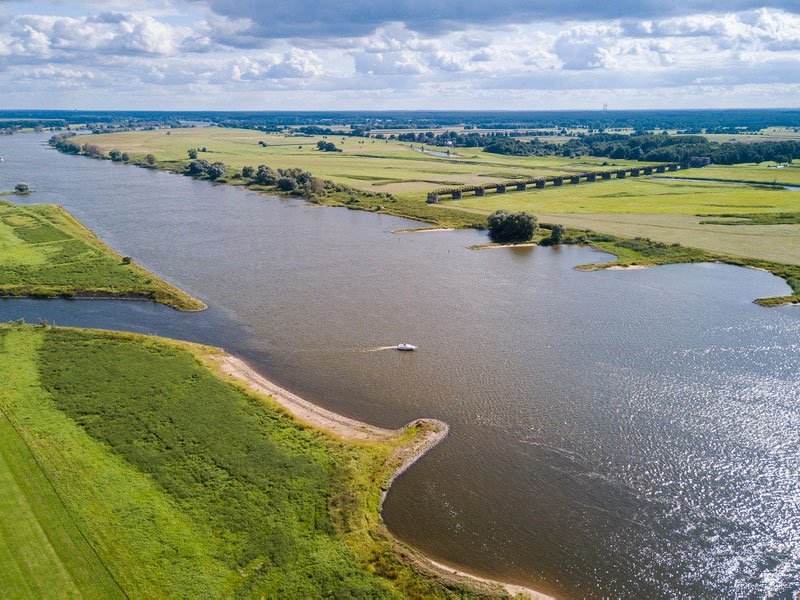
406	347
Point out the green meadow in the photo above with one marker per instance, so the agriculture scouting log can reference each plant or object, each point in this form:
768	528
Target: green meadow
130	469
365	163
668	211
45	252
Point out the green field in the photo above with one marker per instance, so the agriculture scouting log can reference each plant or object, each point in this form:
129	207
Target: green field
131	469
364	163
664	210
766	173
45	252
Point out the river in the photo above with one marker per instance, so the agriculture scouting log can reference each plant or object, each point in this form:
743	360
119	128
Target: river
618	433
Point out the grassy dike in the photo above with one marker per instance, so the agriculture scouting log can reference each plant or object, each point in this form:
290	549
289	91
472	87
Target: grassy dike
45	252
131	467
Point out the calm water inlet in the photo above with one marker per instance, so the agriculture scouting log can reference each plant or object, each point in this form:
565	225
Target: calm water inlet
615	433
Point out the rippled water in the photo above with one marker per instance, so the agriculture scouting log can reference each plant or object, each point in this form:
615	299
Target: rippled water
627	433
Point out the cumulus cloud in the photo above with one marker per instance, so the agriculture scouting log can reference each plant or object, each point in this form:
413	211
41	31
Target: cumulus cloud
31	36
772	30
491	52
348	18
292	64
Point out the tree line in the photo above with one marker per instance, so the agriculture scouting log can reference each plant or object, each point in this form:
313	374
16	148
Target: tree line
653	148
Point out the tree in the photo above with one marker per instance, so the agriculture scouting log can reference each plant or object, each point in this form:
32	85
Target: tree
124	157
557	234
507	226
192	152
266	175
216	170
198	167
115	155
150	159
286	184
248	172
92	150
327	146
22	188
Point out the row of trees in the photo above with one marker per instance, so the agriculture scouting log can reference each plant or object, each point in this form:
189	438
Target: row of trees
63	142
653	148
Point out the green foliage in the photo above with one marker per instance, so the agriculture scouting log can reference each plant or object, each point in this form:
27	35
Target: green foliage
286	184
506	226
256	480
327	146
22	188
216	170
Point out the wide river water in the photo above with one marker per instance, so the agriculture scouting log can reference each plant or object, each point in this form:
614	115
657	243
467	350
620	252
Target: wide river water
613	433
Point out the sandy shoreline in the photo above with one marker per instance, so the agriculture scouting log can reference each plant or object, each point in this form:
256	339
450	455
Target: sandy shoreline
351	429
423	229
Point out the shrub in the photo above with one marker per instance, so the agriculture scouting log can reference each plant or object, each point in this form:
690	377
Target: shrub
150	159
266	175
198	167
22	188
216	170
286	184
248	172
557	234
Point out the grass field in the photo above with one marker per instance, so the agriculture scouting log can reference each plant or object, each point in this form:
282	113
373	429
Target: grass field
764	173
45	252
665	210
364	163
129	468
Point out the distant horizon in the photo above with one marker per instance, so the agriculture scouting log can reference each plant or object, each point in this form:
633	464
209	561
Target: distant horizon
408	110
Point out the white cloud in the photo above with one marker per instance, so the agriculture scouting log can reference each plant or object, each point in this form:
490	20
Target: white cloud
164	51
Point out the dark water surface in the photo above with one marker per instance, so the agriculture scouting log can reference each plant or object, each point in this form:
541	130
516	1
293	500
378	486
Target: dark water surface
619	433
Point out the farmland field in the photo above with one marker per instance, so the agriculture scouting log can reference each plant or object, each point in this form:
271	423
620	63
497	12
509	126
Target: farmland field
364	163
664	210
45	252
129	468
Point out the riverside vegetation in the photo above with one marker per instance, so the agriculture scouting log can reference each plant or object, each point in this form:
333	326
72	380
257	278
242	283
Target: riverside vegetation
45	252
203	489
665	210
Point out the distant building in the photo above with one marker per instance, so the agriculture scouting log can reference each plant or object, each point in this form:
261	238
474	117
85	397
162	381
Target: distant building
699	161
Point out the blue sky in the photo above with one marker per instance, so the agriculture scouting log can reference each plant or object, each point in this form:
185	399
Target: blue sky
435	54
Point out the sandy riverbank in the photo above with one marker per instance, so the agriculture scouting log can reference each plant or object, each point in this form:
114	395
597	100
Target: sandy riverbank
351	429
